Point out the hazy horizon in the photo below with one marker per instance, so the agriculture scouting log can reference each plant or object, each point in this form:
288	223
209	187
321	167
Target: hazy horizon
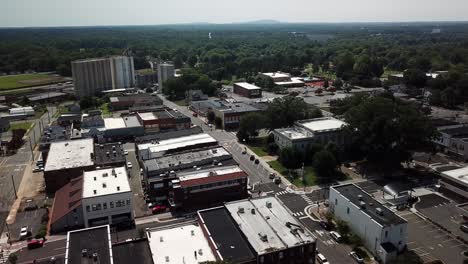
53	13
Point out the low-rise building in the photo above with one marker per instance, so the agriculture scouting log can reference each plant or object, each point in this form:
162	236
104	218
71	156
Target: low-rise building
312	131
247	90
208	187
284	79
453	140
382	231
195	95
22	111
165	119
455	182
67	160
157	149
50	135
109	155
96	198
146	79
134	100
113	129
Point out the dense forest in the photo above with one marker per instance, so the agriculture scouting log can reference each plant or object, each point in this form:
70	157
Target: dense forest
359	52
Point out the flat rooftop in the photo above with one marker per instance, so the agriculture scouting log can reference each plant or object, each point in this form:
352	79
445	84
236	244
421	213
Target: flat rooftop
357	195
212	172
108	154
135	251
267	225
104	182
322	124
236	108
176	143
459	175
178	244
223	231
93	240
248	86
293	132
293	81
277	74
70	154
169	161
114	123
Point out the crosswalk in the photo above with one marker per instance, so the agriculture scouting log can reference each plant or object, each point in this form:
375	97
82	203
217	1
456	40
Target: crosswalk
299	214
5	253
281	193
307	199
324	237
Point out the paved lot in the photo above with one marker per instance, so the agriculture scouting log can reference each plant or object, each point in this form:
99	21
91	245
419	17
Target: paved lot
430	242
32	219
139	203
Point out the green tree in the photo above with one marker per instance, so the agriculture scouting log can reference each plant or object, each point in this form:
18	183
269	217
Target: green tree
174	88
448	97
192	60
415	78
210	116
218	122
283	112
13	258
251	123
291	158
325	164
338	83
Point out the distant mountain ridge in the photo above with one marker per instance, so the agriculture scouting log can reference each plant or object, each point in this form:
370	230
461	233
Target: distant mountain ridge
262	21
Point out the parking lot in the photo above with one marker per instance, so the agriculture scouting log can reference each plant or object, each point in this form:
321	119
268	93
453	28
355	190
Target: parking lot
430	242
31	219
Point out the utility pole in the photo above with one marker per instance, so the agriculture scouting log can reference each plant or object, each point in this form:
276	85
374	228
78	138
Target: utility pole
14	187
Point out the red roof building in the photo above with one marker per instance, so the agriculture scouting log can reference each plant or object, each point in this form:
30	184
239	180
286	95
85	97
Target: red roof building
67	213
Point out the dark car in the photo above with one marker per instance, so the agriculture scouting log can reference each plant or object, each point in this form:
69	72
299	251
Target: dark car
35	243
257	161
325	225
252	157
464	228
272	175
158	209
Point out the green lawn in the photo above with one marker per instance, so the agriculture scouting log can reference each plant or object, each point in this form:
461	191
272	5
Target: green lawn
259	146
26	80
180	102
23	125
310	176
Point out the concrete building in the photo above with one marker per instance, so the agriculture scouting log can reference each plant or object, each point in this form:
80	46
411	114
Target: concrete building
164	119
126	102
453	140
22	111
146	79
94	245
92	76
165	72
109	155
271	231
284	79
50	135
112	129
158	149
305	132
455	182
107	197
382	231
208	187
180	243
247	90
67	160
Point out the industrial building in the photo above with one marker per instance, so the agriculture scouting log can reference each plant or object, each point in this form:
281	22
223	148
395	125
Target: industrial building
92	76
247	90
111	129
67	160
305	132
165	72
382	231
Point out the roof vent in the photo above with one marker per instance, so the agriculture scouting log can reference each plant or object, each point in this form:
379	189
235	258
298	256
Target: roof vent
360	197
161	239
167	258
268	204
104	185
192	232
263	237
94	191
362	204
379	211
105	174
241	210
118	188
252	210
94	178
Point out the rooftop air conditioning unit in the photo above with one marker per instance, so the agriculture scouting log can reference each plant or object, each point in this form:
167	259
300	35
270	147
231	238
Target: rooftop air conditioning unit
268	204
360	197
362	204
379	211
241	210
252	210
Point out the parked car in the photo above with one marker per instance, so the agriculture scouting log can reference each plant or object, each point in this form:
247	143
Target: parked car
129	165
38	169
252	157
257	161
24	232
194	114
125	152
321	259
272	175
158	209
244	152
335	235
325	225
356	257
277	180
464	228
35	243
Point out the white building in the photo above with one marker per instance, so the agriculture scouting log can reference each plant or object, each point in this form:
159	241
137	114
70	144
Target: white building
165	72
284	79
381	230
305	132
22	111
107	197
455	181
183	243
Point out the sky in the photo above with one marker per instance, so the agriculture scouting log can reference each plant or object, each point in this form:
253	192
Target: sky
44	13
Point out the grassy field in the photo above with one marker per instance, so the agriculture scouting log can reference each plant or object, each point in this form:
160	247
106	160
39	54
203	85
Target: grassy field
310	176
26	80
259	146
22	125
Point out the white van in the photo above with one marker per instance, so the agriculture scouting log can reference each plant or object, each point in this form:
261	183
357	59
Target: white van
336	236
322	259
